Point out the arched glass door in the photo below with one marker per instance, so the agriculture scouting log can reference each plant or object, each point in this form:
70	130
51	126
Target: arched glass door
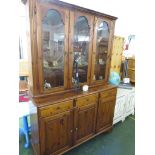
101	50
80	48
53	48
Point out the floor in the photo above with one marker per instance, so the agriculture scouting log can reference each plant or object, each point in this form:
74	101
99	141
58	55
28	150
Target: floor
121	141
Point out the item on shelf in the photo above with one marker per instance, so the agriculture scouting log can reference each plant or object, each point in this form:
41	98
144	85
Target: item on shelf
126	80
101	62
46	64
94	77
55	63
76	72
47	85
85	88
125	69
101	77
114	78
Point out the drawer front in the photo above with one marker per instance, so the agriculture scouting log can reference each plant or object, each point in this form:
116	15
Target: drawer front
108	93
108	99
56	109
83	101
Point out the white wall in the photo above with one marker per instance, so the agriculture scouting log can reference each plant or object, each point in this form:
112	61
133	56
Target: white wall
22	30
124	10
134	17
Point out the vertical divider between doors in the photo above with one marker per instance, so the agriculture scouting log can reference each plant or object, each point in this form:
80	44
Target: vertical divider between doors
74	121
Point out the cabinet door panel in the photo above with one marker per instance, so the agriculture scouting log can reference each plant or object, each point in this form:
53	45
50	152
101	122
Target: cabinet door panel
85	122
80	46
101	50
130	104
52	47
56	133
105	114
119	107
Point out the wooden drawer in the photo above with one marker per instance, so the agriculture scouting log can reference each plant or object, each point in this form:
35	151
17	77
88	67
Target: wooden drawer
83	101
108	99
56	108
108	93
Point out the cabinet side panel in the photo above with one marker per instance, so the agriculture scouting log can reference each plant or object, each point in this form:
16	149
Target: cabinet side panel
32	47
34	128
28	36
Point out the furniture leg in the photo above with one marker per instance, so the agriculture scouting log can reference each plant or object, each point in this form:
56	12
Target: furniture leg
26	131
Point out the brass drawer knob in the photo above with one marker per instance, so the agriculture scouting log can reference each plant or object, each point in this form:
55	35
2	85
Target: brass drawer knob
58	108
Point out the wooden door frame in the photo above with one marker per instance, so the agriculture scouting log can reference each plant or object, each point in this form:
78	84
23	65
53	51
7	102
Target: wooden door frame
42	9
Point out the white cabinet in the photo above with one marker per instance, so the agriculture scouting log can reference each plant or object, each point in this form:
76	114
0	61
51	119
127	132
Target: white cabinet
125	104
130	104
119	109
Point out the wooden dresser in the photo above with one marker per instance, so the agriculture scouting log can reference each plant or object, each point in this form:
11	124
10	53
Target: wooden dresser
70	47
65	121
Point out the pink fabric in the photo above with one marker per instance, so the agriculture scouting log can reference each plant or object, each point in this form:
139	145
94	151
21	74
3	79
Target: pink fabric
23	98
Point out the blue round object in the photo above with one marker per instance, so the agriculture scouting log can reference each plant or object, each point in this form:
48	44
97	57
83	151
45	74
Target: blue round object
114	78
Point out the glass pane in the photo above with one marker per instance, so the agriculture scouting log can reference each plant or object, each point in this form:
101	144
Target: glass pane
101	51
81	49
53	49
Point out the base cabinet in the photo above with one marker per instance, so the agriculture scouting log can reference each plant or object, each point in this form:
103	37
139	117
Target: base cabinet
119	109
125	104
130	104
67	124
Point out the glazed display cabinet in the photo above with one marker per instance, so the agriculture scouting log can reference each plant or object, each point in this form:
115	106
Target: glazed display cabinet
66	42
